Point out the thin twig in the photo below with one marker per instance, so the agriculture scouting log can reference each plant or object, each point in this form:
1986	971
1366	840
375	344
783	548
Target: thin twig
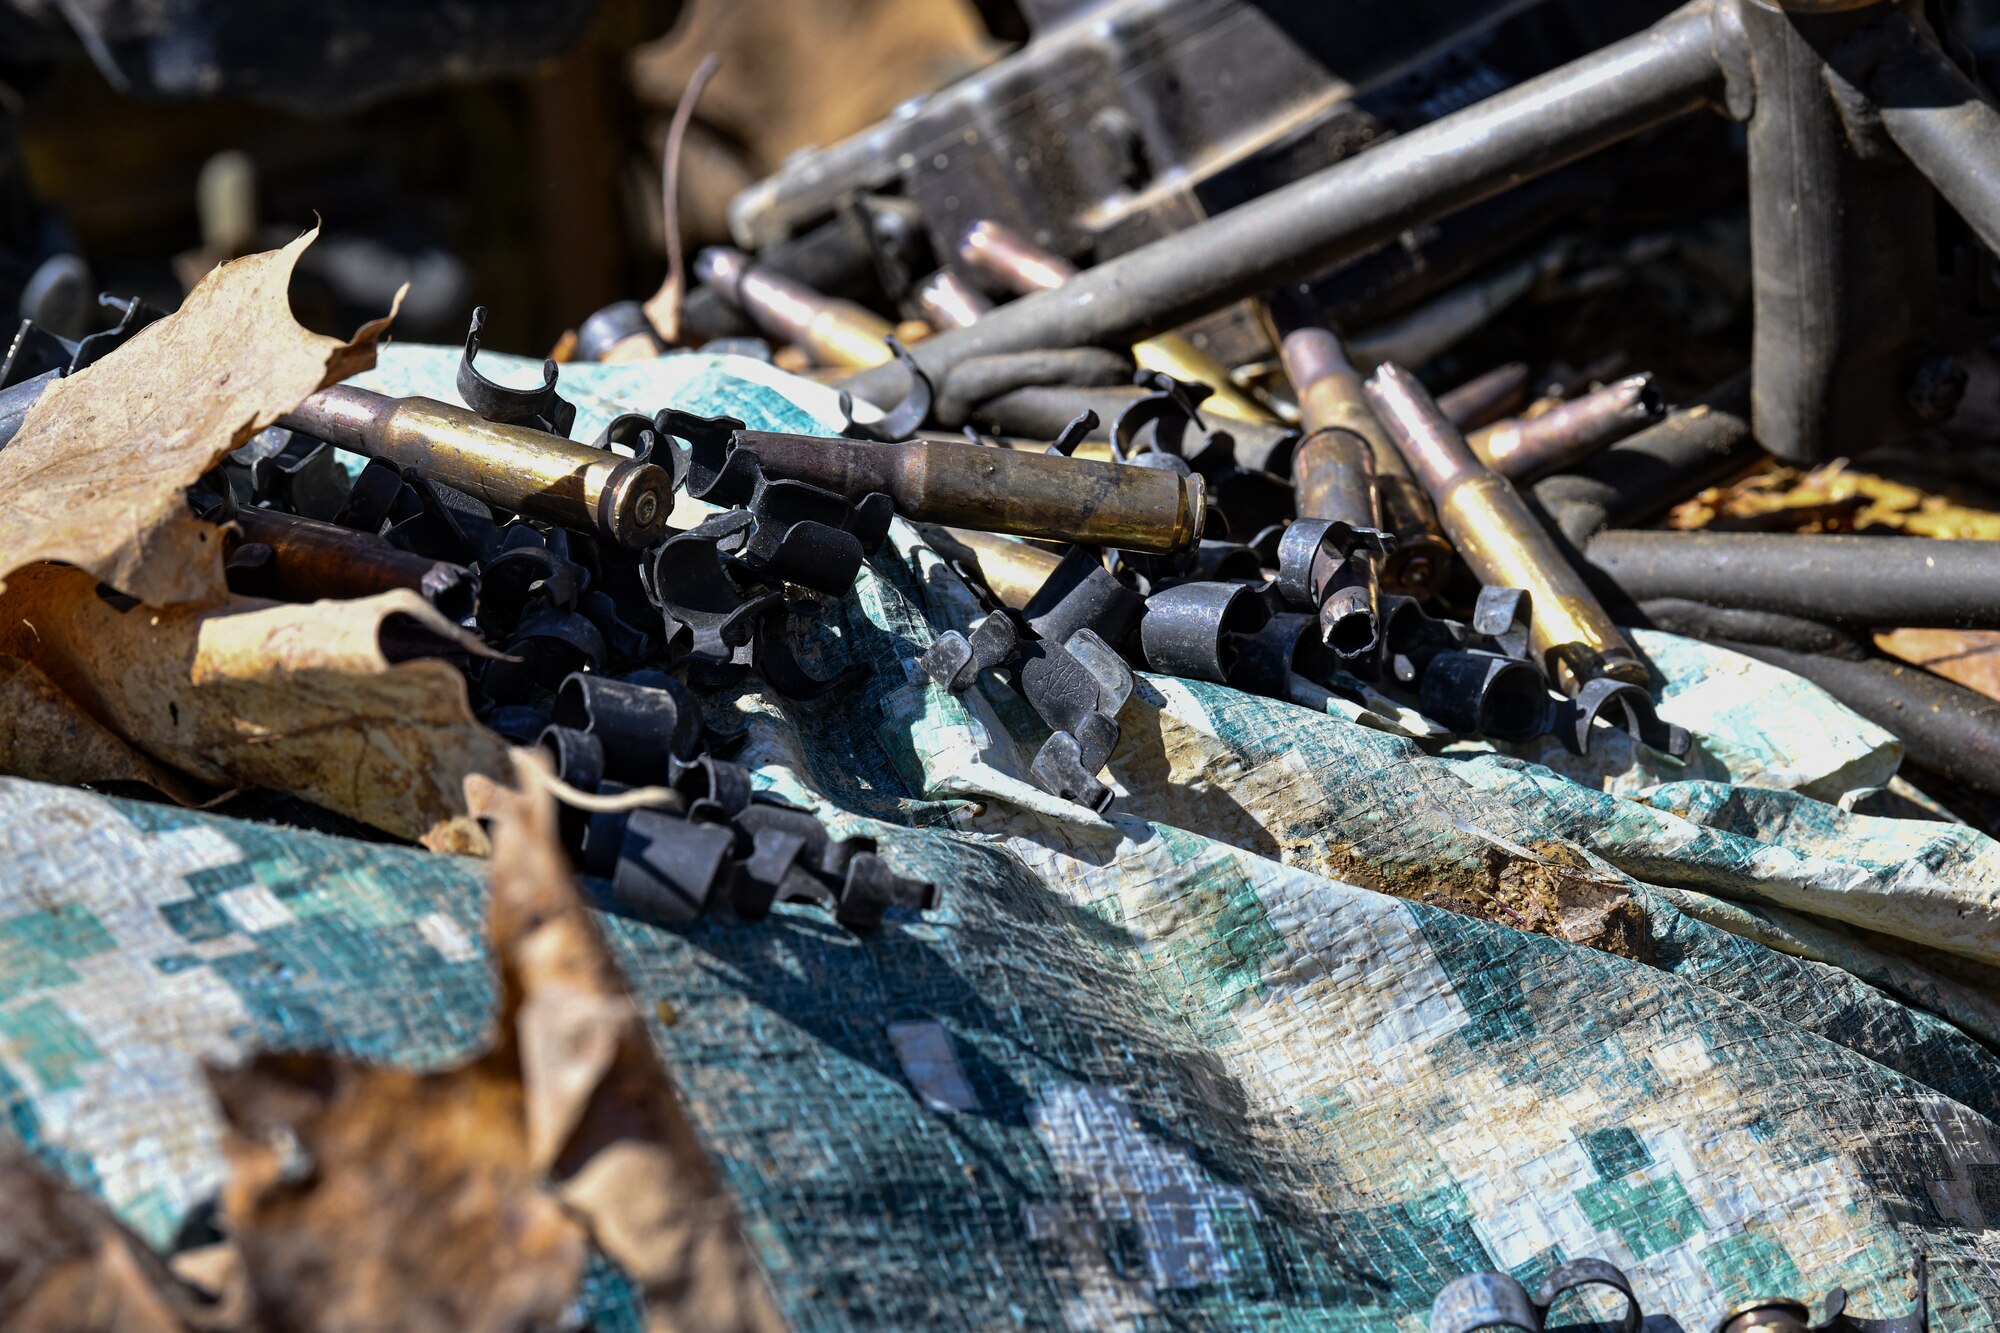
664	309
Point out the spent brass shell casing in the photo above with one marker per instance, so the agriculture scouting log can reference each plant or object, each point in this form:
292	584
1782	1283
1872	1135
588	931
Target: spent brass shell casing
1331	398
1524	448
523	471
313	560
997	490
832	331
1484	399
1021	266
1333	476
1500	540
1012	570
950	302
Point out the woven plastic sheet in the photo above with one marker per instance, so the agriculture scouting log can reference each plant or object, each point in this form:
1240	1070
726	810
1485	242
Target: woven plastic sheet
1219	1061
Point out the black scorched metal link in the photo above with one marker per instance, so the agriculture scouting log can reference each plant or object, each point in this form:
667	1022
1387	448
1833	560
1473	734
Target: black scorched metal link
713	838
1063	662
541	408
1232	634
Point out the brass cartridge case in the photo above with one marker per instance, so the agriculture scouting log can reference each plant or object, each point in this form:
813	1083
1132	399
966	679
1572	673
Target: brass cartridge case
1501	541
832	331
998	490
527	472
1331	398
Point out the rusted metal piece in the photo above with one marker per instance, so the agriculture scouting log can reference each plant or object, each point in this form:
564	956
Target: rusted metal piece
1022	267
1528	447
949	301
1331	398
515	468
1500	540
997	490
311	560
832	331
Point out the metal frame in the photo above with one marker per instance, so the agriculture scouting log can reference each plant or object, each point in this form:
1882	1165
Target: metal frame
1847	115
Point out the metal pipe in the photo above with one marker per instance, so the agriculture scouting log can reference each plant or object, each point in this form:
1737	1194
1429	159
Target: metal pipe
950	302
1868	582
997	490
1528	447
1712	624
1500	540
1945	728
1944	125
834	332
1331	398
1355	205
1641	476
1023	267
527	472
311	560
1844	245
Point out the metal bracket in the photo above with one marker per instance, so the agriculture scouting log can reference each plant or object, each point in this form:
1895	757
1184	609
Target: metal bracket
541	408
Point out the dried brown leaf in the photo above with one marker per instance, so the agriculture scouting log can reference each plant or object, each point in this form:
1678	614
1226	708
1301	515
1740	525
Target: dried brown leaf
295	698
45	735
1971	657
95	476
604	1118
68	1266
372	1198
367	1198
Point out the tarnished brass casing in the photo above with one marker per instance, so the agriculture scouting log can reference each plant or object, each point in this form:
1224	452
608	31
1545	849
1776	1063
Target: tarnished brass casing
998	490
1767	1315
1017	263
313	560
527	472
1501	541
1330	398
1012	570
1523	448
832	331
1333	476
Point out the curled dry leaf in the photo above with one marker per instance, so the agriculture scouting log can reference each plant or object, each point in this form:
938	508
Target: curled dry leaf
374	1198
295	698
68	1266
95	476
44	734
603	1117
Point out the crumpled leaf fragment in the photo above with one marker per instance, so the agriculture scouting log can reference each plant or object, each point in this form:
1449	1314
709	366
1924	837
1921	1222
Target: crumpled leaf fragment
44	734
378	1198
374	1198
294	698
95	476
603	1117
68	1266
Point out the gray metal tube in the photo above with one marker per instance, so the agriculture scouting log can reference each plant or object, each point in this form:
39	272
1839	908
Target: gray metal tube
1877	582
1944	125
1843	244
1350	207
1944	727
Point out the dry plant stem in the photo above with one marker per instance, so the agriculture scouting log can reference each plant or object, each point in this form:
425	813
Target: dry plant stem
663	309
